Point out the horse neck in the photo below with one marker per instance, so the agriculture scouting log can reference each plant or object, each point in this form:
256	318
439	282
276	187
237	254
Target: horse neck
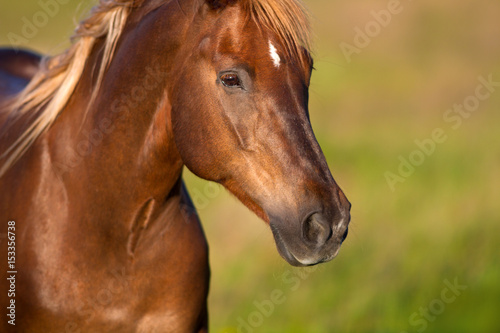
125	142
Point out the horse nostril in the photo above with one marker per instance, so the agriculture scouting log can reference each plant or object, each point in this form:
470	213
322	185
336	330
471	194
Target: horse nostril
316	229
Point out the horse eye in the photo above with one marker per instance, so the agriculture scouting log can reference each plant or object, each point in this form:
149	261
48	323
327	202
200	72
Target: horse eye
230	80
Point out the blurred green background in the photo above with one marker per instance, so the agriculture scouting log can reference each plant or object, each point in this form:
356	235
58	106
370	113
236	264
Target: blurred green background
406	244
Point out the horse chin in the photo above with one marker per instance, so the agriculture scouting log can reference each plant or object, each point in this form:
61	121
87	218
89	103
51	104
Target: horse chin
295	260
285	253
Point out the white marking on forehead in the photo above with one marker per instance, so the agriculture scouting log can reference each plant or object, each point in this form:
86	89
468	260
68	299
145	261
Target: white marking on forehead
274	54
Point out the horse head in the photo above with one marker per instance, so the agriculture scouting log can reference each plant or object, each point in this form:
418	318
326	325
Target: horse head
240	118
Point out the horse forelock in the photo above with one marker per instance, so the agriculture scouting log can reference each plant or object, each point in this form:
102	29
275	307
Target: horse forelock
288	19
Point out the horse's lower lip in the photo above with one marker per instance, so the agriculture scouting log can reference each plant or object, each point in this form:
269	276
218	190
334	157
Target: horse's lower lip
288	255
292	259
282	249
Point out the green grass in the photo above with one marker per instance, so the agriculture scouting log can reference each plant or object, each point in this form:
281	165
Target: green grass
442	223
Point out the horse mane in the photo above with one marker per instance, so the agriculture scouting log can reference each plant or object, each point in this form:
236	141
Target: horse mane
52	86
44	98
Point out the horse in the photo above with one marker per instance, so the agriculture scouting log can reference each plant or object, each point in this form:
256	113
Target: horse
99	228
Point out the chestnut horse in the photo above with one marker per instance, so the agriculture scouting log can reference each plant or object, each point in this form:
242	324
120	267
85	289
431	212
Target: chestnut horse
104	234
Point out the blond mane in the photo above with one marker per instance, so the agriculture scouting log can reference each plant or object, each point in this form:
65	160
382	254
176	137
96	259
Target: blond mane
51	88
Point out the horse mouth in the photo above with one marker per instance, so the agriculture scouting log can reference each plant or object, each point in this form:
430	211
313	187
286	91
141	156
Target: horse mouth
292	259
286	254
283	250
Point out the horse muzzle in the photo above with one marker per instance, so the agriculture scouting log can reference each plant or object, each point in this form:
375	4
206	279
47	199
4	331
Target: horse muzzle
314	239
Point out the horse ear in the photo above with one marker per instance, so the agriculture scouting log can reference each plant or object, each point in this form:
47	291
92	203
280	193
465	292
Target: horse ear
219	4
